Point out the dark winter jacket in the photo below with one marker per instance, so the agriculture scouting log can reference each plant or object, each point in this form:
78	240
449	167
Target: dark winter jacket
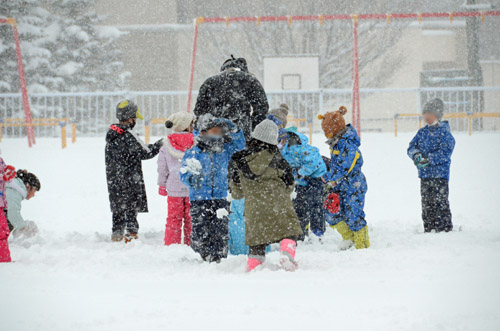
436	143
265	180
205	172
234	94
124	153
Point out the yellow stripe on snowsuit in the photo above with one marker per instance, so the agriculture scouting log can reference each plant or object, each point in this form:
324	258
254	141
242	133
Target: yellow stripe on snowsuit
337	152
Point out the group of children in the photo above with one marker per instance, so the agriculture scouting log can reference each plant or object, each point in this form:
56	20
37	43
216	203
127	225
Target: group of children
288	188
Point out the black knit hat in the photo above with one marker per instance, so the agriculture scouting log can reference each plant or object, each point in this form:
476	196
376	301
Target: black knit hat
127	109
29	179
233	63
434	106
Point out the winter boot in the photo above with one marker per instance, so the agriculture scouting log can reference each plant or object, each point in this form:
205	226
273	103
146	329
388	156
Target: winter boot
254	261
116	237
344	231
131	236
361	239
287	259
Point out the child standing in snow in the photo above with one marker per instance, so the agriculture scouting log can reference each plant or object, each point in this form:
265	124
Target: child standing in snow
7	173
345	177
261	175
308	168
204	170
23	186
431	151
169	181
123	156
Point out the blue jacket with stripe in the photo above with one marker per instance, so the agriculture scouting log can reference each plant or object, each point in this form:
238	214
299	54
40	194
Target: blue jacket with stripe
346	162
436	143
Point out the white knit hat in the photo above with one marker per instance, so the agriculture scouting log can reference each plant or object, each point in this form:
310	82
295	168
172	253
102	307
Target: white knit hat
180	121
266	131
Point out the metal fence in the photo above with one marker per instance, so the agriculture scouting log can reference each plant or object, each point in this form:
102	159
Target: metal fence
94	112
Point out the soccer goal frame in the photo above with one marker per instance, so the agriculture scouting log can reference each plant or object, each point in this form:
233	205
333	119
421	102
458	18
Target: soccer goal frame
321	19
22	81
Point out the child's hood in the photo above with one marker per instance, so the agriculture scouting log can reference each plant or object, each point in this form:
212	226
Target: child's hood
351	135
115	131
259	162
18	185
303	138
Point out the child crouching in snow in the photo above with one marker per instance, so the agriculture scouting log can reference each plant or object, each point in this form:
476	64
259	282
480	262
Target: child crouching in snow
261	175
308	168
23	187
345	177
431	151
204	170
169	181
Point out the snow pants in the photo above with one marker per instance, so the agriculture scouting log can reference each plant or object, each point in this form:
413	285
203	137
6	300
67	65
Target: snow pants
352	193
436	212
308	205
178	215
237	228
125	220
4	236
210	233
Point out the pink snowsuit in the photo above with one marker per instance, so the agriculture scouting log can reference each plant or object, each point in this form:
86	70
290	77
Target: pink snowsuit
4	228
169	162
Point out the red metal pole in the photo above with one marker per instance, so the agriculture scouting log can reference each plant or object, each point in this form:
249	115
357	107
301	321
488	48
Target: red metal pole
22	81
355	78
198	21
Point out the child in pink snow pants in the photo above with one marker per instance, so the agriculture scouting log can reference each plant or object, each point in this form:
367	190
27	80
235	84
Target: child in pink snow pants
169	162
7	173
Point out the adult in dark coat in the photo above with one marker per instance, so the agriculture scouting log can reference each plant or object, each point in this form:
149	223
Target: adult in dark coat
124	153
234	94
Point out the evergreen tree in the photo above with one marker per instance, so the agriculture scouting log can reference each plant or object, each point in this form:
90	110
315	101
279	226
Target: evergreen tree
63	46
31	20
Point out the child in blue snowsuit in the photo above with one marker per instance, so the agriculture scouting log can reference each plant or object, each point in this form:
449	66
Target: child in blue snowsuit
346	178
308	168
204	171
431	151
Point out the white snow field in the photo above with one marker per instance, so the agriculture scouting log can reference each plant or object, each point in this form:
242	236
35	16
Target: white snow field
71	277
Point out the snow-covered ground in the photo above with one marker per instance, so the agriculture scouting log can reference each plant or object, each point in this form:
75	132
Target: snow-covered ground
71	277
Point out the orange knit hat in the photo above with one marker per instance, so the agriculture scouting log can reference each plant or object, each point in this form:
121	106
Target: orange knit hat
333	122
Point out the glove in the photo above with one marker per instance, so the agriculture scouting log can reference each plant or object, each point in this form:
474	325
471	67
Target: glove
420	161
227	123
159	143
9	173
30	230
195	181
162	190
332	203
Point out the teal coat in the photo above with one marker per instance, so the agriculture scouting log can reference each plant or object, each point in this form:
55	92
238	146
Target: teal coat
16	192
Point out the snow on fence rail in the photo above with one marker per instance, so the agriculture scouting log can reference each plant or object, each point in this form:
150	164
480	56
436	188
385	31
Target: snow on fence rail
93	112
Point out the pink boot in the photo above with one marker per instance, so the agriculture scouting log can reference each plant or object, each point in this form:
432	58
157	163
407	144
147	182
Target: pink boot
287	259
254	263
